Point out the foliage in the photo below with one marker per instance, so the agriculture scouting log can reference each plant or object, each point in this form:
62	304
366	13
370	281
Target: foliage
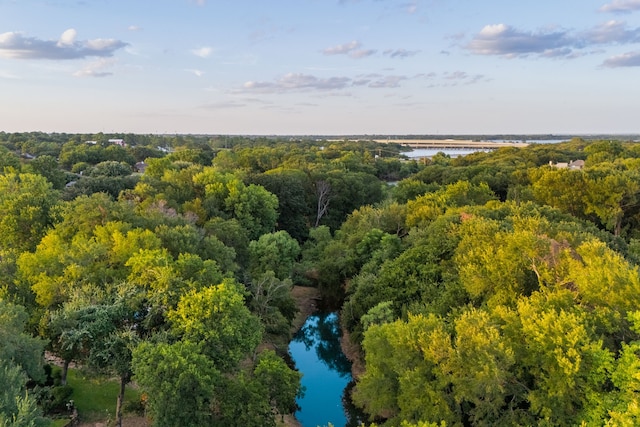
17	407
217	321
18	347
179	382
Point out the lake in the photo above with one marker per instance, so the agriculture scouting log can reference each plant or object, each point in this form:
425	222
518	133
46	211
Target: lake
317	354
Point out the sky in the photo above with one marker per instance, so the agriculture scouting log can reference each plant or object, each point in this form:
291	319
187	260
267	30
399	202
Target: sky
320	67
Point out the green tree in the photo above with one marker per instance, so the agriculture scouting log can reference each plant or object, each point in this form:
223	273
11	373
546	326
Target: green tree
25	204
216	319
280	383
47	166
179	382
272	302
18	347
275	252
17	407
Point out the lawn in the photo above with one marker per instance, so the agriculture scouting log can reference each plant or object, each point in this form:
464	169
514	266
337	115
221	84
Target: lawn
95	396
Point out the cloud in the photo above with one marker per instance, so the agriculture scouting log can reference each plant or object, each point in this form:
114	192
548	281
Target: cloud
68	38
621	6
399	53
351	49
387	82
412	7
134	28
456	78
15	45
197	73
611	32
629	59
96	69
203	52
297	82
501	39
504	40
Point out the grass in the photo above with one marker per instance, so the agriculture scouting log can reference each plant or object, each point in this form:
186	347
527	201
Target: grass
95	396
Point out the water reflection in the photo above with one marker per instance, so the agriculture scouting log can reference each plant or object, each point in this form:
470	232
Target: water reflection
316	351
322	333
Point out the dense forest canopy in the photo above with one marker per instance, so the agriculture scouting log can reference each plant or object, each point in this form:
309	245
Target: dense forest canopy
498	288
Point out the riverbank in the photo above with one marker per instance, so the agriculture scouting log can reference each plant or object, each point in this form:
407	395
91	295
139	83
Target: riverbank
306	300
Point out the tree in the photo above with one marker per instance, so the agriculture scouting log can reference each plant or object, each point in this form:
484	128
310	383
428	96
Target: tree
20	348
610	197
216	319
179	382
254	207
47	166
275	252
280	383
272	302
17	407
25	204
323	195
291	187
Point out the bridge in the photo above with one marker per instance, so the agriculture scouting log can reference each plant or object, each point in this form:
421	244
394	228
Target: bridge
452	143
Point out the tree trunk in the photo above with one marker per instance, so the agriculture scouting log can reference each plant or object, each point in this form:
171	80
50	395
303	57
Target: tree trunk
65	370
123	383
323	188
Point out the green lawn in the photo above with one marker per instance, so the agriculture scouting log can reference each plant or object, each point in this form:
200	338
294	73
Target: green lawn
95	396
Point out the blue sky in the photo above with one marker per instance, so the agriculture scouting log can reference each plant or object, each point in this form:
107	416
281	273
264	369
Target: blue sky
320	66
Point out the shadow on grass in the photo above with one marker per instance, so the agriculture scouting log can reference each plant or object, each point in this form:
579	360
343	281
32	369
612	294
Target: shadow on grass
95	396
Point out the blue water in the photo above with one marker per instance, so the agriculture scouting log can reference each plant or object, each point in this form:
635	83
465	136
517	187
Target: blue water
316	351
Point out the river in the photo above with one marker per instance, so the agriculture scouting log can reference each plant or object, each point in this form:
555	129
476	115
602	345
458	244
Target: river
317	354
417	153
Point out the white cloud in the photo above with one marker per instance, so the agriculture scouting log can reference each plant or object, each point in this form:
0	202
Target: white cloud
629	59
197	73
621	6
297	82
387	82
412	7
134	28
203	52
504	40
400	53
351	49
15	45
501	39
67	38
96	69
332	86
611	32
342	49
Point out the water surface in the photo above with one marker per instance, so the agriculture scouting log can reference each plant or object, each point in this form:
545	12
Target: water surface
326	371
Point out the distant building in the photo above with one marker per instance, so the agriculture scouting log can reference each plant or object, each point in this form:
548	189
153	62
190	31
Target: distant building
119	142
91	142
140	167
576	165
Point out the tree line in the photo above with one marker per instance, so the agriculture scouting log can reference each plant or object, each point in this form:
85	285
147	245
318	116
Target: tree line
494	288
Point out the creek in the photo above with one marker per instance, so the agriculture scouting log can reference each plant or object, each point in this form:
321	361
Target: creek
326	371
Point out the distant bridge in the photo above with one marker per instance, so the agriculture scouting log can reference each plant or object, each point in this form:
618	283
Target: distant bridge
452	143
